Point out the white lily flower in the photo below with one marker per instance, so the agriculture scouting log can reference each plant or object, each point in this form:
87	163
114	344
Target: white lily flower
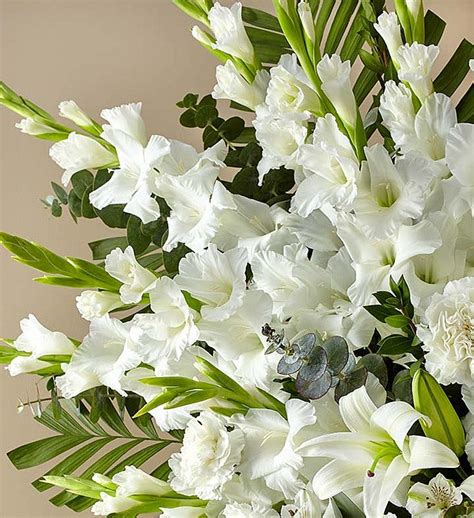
330	170
169	330
306	504
377	454
134	182
336	84
448	335
231	85
38	341
94	304
249	224
416	64
229	31
387	196
34	128
280	136
389	28
374	260
434	499
239	339
101	359
272	442
79	152
136	280
217	279
70	110
459	189
208	457
289	89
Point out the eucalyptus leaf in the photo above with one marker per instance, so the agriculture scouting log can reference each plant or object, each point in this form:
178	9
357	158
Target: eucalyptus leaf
349	383
314	389
337	353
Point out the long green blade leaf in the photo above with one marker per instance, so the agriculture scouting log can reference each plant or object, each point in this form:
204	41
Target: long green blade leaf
455	70
339	25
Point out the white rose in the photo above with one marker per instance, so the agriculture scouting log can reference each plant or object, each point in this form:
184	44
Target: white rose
38	341
207	458
94	304
123	266
448	335
79	152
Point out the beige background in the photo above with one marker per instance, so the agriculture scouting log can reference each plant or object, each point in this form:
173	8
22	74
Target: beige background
100	53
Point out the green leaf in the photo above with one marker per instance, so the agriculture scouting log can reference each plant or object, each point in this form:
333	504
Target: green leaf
135	237
354	39
364	84
455	70
269	46
339	24
87	209
172	259
101	248
337	353
81	181
56	209
347	507
187	118
260	19
397	321
60	192
381	312
401	386
395	344
113	216
74	204
232	128
323	17
376	365
41	451
434	28
69	282
205	115
465	107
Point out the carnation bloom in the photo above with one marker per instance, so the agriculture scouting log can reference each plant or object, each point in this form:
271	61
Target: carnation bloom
38	341
236	510
377	454
208	457
448	333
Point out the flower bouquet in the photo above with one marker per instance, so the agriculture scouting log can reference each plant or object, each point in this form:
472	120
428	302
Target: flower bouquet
295	337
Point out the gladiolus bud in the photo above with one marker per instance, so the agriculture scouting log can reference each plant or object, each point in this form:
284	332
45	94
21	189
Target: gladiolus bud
431	400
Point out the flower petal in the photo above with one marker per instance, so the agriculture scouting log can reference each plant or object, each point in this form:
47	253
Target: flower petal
356	410
336	477
425	453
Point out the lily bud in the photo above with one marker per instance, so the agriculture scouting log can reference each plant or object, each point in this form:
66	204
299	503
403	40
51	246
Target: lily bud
431	400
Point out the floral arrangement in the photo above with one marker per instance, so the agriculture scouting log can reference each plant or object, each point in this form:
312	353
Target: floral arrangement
297	341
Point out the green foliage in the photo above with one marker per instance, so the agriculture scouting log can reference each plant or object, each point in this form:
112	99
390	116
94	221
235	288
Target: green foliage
108	441
455	70
64	271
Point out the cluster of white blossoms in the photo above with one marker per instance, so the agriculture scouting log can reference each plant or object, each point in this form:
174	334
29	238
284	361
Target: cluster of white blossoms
359	215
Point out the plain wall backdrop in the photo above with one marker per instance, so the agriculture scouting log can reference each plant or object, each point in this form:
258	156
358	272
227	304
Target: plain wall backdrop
101	53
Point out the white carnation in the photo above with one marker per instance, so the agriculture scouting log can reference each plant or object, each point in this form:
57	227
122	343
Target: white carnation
207	459
449	333
236	510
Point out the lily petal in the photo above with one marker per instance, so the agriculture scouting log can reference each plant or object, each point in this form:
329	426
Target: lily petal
336	477
425	453
356	410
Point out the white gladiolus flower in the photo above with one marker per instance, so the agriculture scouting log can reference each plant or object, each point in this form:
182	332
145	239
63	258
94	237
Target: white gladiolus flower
280	136
416	64
434	499
236	510
183	512
459	189
169	330
289	90
389	29
229	31
376	455
31	127
38	341
70	110
449	333
193	220
239	339
136	280
216	279
201	36
94	304
78	152
272	442
330	170
110	504
134	182
374	260
336	84
101	359
388	197
249	224
231	85
208	457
